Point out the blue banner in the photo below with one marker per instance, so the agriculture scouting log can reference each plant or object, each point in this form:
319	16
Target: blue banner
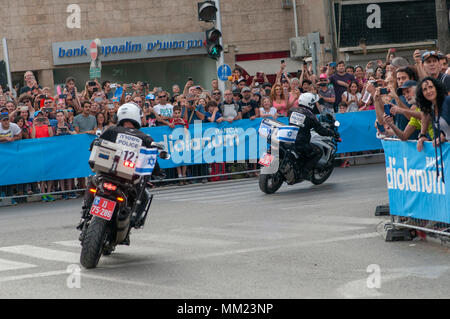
413	186
64	157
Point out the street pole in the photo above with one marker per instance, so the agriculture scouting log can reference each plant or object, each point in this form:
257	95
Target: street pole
220	61
6	57
294	7
443	35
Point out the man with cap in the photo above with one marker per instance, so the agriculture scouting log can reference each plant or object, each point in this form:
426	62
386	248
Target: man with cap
433	68
237	96
9	132
248	107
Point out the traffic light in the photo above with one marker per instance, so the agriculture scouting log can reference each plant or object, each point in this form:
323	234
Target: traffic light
213	46
207	11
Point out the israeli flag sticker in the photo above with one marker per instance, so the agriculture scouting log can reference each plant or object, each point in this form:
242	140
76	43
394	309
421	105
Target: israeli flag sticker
287	134
146	161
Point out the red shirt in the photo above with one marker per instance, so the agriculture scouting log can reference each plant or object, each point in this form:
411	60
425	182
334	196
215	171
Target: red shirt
42	131
179	122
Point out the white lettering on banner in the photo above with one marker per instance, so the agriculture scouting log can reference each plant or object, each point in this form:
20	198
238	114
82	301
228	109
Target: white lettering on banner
374	19
180	144
414	180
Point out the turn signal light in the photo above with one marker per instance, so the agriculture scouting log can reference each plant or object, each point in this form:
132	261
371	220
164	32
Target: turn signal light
93	190
120	199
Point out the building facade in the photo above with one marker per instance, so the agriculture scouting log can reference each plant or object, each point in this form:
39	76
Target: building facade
148	40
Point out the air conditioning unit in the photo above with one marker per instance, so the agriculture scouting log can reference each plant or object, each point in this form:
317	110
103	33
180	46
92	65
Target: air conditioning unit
299	47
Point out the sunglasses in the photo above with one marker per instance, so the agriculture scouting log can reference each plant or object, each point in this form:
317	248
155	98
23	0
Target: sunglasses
216	93
71	111
47	103
427	54
162	96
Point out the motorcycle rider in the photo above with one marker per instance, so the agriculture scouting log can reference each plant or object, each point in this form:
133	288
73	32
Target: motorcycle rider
306	120
129	119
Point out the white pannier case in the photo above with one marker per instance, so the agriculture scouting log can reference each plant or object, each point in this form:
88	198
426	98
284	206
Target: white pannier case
117	159
281	132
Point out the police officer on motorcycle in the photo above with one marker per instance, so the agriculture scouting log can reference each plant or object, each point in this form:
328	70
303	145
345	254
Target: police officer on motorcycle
129	119
306	120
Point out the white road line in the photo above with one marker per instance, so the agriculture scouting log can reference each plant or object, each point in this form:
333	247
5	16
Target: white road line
182	240
13	265
205	198
204	192
43	253
69	243
35	275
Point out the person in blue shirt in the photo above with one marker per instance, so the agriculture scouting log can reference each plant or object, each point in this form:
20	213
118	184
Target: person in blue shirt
212	114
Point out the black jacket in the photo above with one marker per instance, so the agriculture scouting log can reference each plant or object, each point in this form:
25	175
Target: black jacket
307	121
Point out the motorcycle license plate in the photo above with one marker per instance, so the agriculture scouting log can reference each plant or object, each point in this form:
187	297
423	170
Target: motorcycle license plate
266	160
103	208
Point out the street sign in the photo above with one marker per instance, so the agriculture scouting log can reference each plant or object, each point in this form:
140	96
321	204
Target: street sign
223	72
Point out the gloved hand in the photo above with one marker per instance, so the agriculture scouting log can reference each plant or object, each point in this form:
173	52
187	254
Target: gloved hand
337	135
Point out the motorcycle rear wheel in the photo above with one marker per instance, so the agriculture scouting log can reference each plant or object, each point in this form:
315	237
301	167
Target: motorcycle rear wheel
270	183
93	242
320	176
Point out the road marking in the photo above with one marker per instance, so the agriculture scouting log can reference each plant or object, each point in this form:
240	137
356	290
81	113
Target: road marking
35	275
358	288
13	265
296	226
43	253
206	192
205	197
182	240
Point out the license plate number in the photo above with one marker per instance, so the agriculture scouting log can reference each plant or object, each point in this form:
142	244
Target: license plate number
103	208
266	160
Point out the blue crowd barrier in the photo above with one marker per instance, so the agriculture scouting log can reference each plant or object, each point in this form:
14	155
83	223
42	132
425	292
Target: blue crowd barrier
64	157
414	187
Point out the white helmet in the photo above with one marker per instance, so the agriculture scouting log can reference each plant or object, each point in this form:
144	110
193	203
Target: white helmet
129	112
308	99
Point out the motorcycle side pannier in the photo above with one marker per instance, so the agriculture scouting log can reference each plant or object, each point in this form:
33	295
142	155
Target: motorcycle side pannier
113	159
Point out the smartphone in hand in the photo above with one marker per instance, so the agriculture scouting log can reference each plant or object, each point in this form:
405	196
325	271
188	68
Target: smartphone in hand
387	109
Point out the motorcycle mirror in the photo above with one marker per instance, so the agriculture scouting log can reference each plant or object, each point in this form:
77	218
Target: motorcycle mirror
164	155
159	146
337	123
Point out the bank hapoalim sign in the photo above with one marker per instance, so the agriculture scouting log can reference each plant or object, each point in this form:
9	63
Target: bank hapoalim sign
130	48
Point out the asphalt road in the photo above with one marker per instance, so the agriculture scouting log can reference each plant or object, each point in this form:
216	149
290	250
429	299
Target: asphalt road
229	240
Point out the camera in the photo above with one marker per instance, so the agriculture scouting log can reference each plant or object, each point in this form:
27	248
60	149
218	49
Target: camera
189	78
92	83
383	91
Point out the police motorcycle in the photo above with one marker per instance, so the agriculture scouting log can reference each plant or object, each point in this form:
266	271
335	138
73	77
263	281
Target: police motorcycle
119	196
281	163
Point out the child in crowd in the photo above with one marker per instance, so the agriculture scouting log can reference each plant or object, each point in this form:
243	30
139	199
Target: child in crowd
267	110
212	113
178	120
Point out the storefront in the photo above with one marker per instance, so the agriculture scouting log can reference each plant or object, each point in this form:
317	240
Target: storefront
160	60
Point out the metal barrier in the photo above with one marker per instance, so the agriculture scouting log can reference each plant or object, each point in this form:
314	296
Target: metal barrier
172	180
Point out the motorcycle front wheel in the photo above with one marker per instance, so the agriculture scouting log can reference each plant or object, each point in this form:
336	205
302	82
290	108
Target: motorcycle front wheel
93	242
270	183
319	176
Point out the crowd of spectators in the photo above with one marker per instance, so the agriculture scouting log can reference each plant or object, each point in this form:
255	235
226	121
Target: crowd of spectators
387	86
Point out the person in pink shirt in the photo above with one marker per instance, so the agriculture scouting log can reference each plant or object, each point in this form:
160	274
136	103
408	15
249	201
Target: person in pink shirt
279	100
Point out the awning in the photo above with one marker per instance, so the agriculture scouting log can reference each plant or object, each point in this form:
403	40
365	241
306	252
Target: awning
269	66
